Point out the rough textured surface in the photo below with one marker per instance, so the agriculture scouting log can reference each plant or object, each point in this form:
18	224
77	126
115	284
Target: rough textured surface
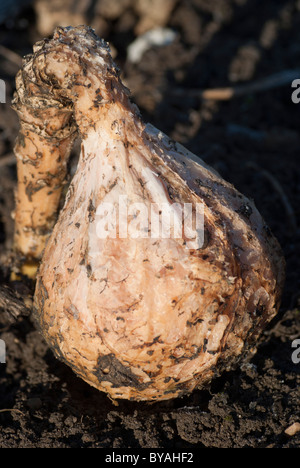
142	318
254	405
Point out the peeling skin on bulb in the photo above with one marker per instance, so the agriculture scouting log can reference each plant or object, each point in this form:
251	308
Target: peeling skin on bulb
138	317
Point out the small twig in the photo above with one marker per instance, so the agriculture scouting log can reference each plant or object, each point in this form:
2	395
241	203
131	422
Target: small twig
224	94
8	159
11	56
277	186
12	410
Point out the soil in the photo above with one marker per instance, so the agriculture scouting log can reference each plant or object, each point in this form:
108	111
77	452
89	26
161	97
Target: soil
253	141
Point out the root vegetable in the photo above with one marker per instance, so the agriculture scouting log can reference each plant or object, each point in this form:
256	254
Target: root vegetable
138	317
42	149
